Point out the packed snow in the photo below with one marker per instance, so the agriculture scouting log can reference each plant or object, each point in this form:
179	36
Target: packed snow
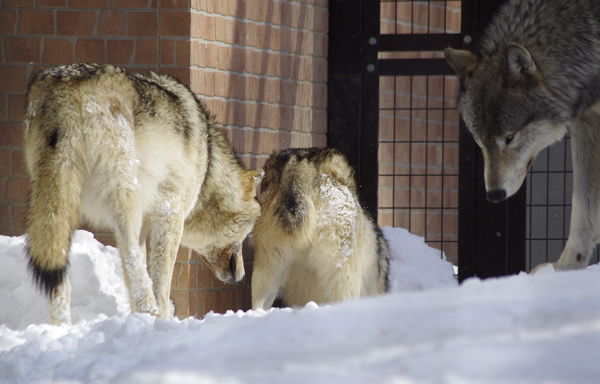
428	329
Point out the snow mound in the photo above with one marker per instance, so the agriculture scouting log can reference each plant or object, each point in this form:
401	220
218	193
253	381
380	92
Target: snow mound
415	265
95	273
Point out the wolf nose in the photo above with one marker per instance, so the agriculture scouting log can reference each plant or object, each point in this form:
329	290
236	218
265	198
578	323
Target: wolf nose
496	195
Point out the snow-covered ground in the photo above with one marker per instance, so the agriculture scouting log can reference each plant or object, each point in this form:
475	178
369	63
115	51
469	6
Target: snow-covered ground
521	329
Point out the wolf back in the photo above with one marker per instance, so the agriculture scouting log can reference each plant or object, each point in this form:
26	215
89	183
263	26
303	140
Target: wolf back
139	155
314	241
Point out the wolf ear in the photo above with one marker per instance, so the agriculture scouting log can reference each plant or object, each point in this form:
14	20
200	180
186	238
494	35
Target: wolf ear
463	62
519	64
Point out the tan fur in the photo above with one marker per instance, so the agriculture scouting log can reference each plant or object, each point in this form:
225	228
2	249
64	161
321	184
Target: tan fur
314	241
138	155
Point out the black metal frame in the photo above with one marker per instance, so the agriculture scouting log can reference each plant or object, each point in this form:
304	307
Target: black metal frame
491	236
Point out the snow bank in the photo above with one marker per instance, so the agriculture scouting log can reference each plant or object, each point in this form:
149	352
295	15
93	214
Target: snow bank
415	265
96	278
519	329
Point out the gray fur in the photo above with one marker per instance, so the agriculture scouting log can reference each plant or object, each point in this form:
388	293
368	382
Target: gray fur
534	75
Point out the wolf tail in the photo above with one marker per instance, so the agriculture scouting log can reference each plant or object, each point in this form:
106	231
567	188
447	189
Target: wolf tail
54	202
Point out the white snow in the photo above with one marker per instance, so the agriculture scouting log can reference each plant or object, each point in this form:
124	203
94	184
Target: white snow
519	329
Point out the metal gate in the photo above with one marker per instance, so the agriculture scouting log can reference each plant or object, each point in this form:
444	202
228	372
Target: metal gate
392	110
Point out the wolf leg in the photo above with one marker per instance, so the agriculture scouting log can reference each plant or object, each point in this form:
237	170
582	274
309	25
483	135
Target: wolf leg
267	275
164	243
60	303
585	215
132	254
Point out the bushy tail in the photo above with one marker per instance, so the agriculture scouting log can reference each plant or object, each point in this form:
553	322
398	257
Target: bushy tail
54	207
296	184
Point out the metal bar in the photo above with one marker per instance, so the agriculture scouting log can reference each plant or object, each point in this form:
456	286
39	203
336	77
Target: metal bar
419	42
414	67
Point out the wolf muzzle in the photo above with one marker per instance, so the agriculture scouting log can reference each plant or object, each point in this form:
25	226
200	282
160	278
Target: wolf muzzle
496	195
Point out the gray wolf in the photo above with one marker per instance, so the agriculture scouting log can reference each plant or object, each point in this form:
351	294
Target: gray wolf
534	75
140	155
314	241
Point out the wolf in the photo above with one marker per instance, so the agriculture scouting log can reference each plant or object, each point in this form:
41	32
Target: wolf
139	155
534	75
314	240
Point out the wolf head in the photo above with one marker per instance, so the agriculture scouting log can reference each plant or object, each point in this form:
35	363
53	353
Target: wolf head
217	230
508	104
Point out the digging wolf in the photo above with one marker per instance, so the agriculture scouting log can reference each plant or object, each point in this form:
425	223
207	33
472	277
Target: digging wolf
314	241
137	154
535	74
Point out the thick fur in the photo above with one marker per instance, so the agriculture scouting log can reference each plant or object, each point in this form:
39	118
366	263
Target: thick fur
535	75
140	155
314	241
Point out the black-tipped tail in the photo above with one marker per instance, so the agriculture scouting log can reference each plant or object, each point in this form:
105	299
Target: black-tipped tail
46	281
292	211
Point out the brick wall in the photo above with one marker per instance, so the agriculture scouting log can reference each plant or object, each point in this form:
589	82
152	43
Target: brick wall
260	65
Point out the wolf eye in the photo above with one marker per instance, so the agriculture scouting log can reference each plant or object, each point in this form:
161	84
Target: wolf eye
509	138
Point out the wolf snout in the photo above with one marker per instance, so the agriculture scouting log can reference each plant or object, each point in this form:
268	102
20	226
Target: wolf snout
235	279
496	195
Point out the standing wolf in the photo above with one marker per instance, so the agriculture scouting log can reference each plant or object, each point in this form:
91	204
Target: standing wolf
314	241
137	154
535	74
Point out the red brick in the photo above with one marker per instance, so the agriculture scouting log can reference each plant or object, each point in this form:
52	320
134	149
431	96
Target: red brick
129	4
5	166
51	3
112	23
19	167
8	20
16	107
175	23
209	28
202	54
212	55
11	134
89	51
175	4
220	32
224	54
6	223
183	53
23	49
167	52
240	35
92	4
58	51
3	99
13	79
76	23
20	219
119	51
142	24
18	4
259	11
182	74
195	25
145	51
17	191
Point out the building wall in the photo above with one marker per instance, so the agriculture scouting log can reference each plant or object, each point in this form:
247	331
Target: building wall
259	65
